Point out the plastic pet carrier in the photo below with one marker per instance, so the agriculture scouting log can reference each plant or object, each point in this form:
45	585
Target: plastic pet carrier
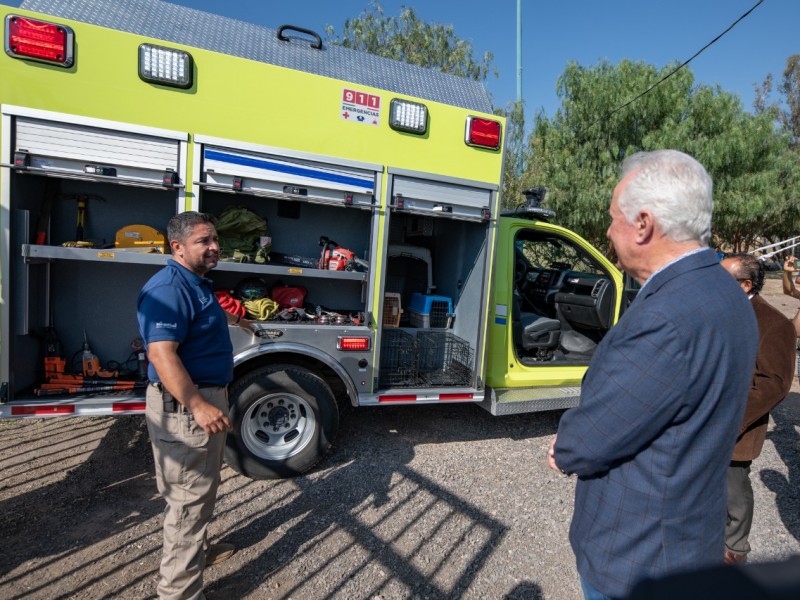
392	309
428	311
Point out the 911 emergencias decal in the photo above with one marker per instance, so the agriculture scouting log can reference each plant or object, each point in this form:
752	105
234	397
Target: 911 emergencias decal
361	107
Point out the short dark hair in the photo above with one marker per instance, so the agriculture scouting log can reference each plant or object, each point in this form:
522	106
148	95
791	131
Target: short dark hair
747	266
182	224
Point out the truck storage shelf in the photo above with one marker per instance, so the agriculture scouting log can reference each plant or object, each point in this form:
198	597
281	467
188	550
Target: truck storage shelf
33	253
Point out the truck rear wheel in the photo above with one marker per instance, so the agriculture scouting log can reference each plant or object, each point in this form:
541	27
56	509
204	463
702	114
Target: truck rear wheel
284	420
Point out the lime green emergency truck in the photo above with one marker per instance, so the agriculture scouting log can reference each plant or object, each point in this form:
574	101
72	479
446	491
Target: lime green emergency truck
387	273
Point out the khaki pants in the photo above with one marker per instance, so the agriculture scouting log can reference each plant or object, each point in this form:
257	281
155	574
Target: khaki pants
188	464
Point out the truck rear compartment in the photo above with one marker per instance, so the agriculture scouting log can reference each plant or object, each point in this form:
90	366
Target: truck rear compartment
433	284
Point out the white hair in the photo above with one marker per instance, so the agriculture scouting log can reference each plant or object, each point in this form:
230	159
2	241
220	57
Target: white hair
674	188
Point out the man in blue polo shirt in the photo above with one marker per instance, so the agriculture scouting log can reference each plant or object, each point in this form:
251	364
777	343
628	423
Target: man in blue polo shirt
191	363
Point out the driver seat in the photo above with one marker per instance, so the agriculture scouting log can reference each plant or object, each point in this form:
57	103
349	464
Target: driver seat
538	332
534	332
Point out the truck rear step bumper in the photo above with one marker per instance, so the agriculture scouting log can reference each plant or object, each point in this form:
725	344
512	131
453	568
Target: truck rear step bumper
75	406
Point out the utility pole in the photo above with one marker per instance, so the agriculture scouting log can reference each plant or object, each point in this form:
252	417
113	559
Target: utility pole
519	50
520	166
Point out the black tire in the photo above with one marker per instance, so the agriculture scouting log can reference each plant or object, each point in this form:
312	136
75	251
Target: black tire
284	421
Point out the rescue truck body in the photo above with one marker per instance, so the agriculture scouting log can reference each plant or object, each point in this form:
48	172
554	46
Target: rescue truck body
380	184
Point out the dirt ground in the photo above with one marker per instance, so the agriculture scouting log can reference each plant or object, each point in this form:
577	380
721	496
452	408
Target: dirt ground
435	502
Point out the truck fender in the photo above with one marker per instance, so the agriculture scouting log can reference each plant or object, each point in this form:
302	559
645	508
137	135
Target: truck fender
284	348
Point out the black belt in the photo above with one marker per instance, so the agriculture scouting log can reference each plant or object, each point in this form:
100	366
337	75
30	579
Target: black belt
170	404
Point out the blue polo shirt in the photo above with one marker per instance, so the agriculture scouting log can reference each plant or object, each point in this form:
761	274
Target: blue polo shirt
176	305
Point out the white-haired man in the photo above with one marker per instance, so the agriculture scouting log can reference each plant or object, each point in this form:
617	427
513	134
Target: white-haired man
664	394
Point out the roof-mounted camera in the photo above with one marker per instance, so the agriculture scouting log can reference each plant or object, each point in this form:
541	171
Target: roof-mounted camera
532	207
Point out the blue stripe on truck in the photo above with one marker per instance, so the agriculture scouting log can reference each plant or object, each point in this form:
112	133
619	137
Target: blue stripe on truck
278	167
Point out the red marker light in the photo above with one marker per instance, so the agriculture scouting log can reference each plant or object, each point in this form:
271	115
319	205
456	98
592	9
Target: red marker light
483	133
353	344
463	396
43	410
39	40
128	407
398	398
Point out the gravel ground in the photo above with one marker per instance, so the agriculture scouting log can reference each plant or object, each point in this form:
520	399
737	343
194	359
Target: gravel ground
415	502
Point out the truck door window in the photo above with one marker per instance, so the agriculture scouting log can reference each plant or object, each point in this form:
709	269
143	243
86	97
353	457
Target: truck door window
564	299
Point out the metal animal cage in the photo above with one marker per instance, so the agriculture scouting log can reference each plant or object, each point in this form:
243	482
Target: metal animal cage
443	359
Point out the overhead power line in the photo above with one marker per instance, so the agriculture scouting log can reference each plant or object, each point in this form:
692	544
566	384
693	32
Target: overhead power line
679	67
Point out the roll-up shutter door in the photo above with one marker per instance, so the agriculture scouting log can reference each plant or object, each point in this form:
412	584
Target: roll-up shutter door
440	198
84	151
290	178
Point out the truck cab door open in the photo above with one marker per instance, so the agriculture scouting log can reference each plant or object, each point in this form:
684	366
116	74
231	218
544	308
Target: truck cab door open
564	300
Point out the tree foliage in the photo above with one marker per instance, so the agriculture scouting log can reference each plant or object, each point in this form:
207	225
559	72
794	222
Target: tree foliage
788	111
409	39
577	153
753	159
514	165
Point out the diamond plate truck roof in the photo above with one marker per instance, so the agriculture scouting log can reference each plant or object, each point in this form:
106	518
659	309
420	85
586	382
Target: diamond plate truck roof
191	27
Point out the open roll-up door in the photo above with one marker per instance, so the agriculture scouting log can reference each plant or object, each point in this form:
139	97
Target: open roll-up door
440	198
284	177
81	151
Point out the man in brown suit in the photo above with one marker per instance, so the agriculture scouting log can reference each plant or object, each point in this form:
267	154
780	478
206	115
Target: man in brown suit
772	379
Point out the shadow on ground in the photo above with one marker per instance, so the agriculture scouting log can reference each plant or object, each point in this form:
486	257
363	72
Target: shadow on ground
364	515
108	490
371	525
787	444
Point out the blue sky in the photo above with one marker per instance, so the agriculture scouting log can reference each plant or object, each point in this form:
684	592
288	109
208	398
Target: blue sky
587	31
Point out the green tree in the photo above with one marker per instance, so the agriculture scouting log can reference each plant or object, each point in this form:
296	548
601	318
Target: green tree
514	165
577	153
787	111
409	39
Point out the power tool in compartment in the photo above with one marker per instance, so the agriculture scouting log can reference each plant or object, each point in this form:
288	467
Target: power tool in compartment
91	364
336	258
92	380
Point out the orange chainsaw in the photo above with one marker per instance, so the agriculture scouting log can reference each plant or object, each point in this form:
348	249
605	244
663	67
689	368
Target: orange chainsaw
336	258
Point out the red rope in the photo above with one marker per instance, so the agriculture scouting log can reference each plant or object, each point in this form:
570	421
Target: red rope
230	304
